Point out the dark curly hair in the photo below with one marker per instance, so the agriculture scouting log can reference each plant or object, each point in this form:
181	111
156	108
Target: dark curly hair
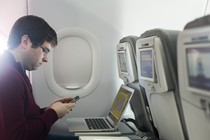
36	28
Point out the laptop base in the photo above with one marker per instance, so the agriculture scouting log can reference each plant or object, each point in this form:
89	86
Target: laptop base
115	133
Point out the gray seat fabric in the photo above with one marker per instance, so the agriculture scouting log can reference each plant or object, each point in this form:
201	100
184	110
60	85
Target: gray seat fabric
194	36
169	41
140	107
131	40
199	22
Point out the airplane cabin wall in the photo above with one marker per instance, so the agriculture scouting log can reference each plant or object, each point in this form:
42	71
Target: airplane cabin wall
139	16
104	20
9	12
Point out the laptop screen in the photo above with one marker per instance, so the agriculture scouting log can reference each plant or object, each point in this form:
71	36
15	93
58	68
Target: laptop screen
120	103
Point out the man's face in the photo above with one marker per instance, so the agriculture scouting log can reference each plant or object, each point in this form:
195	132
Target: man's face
34	57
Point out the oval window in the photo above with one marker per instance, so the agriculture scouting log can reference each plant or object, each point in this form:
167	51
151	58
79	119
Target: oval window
74	66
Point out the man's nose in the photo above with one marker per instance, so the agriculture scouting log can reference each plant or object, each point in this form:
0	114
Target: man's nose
45	58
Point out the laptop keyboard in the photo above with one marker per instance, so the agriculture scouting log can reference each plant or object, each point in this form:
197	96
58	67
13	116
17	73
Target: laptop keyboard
96	123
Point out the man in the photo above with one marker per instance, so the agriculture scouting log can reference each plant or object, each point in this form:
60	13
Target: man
30	40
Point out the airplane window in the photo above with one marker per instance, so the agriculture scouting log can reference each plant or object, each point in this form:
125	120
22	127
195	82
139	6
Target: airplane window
72	63
75	64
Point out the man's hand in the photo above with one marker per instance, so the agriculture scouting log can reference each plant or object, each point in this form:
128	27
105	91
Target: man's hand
62	108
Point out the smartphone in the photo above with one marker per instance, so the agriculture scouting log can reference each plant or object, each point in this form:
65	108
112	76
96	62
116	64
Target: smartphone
75	99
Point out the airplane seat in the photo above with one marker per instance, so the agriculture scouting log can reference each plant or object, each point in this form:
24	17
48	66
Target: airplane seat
194	76
138	103
157	73
126	59
140	107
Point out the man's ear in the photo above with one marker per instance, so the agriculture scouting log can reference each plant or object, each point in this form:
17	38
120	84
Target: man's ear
25	42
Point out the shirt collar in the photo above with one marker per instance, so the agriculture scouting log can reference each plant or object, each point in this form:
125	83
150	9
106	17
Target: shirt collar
9	57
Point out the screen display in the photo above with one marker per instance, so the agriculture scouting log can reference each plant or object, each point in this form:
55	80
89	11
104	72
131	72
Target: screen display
198	67
122	61
119	105
146	64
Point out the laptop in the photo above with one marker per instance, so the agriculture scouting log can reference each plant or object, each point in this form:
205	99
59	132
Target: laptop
104	124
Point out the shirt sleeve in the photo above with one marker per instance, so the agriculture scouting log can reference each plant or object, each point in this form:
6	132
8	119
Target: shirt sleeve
2	127
22	118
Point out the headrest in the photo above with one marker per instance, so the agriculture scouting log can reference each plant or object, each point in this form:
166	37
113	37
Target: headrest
199	22
169	41
131	40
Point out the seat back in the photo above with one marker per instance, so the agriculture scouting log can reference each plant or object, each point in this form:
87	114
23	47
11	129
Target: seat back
194	76
126	59
138	103
157	72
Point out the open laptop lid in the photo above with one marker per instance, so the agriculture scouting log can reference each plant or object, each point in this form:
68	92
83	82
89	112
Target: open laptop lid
113	118
119	105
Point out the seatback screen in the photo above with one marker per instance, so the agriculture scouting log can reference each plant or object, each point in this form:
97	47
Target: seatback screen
122	61
198	67
119	105
146	64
